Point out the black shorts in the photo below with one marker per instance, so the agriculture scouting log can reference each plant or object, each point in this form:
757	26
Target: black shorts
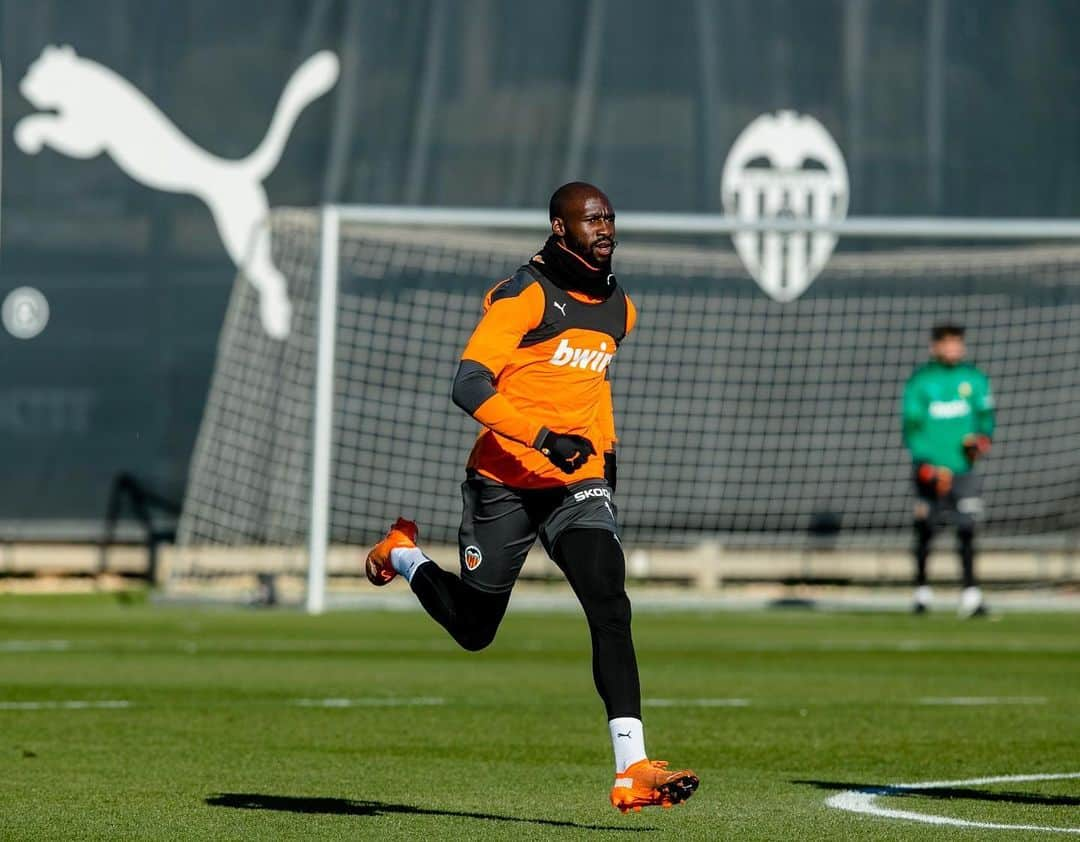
962	506
499	525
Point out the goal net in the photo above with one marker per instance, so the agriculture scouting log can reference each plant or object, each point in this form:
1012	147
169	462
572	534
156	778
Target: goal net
740	419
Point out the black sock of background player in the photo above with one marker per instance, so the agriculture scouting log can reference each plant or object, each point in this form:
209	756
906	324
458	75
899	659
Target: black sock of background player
965	540
471	616
924	533
593	563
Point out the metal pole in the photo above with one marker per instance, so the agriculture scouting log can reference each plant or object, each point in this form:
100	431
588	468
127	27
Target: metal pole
935	103
425	107
689	224
855	20
581	121
318	528
708	64
343	124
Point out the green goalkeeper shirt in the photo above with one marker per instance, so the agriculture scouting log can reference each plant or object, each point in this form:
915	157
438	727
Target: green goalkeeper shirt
942	405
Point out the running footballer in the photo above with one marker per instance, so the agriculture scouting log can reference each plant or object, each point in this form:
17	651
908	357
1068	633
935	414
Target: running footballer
535	374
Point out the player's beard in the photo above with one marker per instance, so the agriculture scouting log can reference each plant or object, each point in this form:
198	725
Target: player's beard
569	268
585	251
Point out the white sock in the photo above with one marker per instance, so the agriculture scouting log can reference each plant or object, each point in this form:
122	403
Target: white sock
628	741
924	595
405	560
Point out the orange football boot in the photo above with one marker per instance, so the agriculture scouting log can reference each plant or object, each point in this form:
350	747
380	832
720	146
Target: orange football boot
378	568
648	783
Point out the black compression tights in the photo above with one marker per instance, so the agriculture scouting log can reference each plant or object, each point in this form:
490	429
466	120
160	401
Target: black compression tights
470	615
924	534
965	545
593	563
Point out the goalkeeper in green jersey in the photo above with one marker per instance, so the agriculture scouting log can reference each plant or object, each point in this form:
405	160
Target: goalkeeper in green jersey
948	423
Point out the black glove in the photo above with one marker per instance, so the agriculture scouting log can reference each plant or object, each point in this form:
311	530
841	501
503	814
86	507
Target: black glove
566	452
610	472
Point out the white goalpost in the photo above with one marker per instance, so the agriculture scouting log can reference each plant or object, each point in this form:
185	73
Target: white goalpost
745	418
324	398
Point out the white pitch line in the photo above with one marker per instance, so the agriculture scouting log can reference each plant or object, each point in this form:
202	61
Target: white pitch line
34	645
701	703
374	701
68	705
982	700
214	646
996	779
855	801
218	646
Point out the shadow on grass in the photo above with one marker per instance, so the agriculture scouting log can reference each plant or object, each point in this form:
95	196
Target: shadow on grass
949	792
346	807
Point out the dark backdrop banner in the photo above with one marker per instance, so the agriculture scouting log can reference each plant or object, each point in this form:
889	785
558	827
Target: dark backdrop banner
117	150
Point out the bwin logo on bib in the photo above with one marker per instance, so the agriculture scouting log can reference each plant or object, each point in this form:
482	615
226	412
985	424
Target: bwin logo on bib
566	354
785	166
94	110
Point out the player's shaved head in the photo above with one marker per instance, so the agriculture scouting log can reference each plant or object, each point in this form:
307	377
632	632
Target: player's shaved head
584	222
573	195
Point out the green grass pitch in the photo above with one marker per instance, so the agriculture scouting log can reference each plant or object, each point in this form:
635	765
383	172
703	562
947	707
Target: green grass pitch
123	720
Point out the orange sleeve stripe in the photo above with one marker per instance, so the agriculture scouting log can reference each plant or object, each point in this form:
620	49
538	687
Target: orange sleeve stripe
493	342
606	411
605	418
505	321
498	414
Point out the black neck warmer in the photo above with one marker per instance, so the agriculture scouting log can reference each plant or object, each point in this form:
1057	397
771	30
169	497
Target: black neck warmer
570	272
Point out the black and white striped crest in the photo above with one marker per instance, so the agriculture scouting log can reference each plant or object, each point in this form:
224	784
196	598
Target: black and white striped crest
785	166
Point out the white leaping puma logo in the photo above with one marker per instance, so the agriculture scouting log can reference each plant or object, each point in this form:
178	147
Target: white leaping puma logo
96	110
